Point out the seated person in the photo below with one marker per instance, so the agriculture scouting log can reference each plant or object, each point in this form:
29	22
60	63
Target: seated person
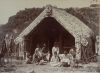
72	51
70	55
65	62
48	56
45	58
55	49
37	56
29	58
45	53
55	60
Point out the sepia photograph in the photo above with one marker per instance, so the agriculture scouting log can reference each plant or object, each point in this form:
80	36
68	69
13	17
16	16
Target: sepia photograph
49	36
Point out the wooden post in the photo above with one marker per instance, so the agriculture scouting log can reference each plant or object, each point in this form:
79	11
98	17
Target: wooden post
78	49
24	49
60	41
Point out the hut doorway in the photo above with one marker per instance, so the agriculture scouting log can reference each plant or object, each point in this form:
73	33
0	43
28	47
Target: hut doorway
49	31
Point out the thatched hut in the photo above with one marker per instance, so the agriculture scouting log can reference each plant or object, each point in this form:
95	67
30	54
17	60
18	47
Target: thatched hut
56	25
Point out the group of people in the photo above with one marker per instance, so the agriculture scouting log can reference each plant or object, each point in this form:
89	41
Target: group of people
57	59
66	59
40	54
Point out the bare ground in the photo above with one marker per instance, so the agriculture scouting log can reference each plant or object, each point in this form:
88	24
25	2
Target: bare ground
32	68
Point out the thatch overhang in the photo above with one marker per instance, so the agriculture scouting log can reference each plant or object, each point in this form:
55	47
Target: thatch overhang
72	24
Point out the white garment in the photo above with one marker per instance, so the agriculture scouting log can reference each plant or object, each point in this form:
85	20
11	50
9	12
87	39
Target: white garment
48	56
55	61
55	49
65	59
71	59
38	52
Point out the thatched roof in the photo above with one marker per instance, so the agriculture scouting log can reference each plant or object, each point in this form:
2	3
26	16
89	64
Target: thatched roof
71	23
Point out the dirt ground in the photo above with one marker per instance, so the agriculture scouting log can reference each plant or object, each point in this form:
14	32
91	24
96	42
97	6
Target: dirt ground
32	68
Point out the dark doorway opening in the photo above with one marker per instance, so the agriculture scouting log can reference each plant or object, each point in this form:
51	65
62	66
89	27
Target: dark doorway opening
49	31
